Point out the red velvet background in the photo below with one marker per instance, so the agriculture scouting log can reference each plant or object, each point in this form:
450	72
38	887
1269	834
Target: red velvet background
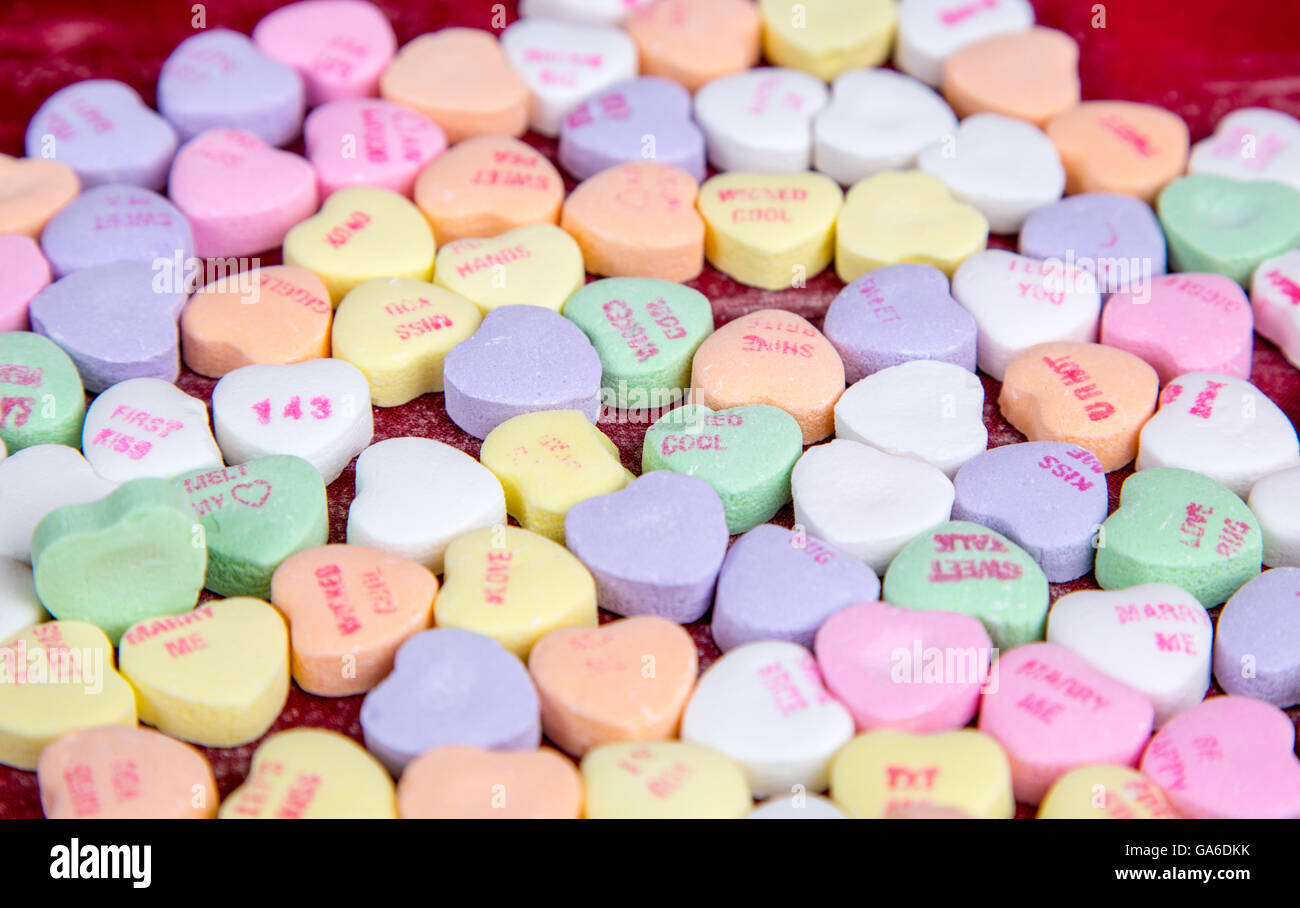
1198	58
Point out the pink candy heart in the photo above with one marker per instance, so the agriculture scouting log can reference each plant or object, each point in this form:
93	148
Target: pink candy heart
369	142
23	273
339	47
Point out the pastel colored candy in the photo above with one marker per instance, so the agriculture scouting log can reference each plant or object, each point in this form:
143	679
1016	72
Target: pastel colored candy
415	495
931	31
254	516
19	606
31	191
1275	296
147	427
466	783
1254	645
36	481
1176	526
1082	394
534	265
627	680
24	272
1119	146
102	130
760	119
395	145
450	686
121	773
662	780
349	608
611	126
1275	501
1031	74
608	12
833	36
797	807
1104	792
54	678
745	453
1048	497
696	41
398	332
1251	143
338	47
514	587
637	220
1115	237
41	398
113	223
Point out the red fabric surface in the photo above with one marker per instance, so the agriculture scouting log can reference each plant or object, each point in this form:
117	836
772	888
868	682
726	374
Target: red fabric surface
1198	58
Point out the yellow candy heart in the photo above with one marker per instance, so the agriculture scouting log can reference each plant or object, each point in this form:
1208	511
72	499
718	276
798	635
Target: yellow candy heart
1104	792
663	780
826	37
537	265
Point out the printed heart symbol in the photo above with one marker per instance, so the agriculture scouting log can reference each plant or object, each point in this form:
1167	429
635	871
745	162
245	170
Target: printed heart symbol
254	499
760	120
612	127
1251	143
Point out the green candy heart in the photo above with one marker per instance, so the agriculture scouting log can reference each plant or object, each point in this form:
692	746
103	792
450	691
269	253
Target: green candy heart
42	401
745	453
961	566
133	555
645	332
255	515
1176	526
1227	226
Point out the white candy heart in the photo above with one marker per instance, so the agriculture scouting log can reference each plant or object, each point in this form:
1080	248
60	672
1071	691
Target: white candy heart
764	706
37	480
145	427
1018	301
1005	167
1275	499
865	502
415	495
1156	638
19	607
931	31
564	63
597	12
760	120
877	120
1253	143
318	410
798	806
1275	296
923	409
1222	427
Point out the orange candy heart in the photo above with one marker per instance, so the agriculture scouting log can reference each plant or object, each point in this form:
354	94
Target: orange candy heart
466	783
32	190
1032	75
1120	146
696	41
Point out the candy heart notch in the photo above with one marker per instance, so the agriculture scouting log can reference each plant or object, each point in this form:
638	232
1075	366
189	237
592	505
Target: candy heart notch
613	127
397	141
1255	640
931	31
1030	74
663	780
1114	237
19	606
338	47
464	783
1275	295
1125	794
24	272
833	36
696	41
535	265
41	398
147	427
760	120
36	481
1251	143
31	191
115	223
1120	146
1274	501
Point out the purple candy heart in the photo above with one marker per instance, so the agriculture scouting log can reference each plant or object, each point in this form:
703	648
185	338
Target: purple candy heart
781	585
896	314
1048	497
1117	238
520	360
450	687
115	223
619	124
116	321
654	547
1257	640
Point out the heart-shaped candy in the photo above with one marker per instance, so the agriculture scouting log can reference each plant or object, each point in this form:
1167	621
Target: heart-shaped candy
24	272
1031	74
1255	640
833	36
1102	792
395	145
760	119
663	780
797	806
931	31
1275	501
466	783
115	223
338	47
1120	146
36	481
1251	143
646	118
694	42
1275	295
600	12
41	398
31	191
19	606
535	265
1114	237
148	427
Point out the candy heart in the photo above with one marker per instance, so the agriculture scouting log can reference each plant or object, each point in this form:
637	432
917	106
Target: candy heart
360	233
24	272
219	79
254	516
1116	238
563	63
119	773
595	687
1228	226
1119	146
867	503
1155	638
653	547
429	75
19	606
833	36
1275	295
606	12
895	409
770	230
36	481
640	118
31	191
536	265
54	678
1228	758
115	223
338	47
881	772
637	220
1031	74
284	319
1083	394
397	143
147	427
1251	143
1048	497
466	783
415	495
931	31
318	410
103	130
487	185
1101	792
349	608
771	357
760	120
745	453
877	120
1255	640
662	780
899	217
450	687
41	399
312	774
1163	531
1275	501
696	41
514	587
398	332
1221	427
797	807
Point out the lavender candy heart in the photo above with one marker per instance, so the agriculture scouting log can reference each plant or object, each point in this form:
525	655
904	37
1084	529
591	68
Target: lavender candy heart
1257	640
781	585
897	314
116	321
450	687
115	223
648	118
520	360
654	547
1116	238
218	78
1048	497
